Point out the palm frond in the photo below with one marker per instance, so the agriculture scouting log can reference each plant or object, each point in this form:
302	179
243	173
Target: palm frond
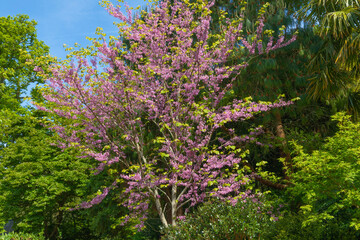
328	79
328	84
340	23
348	57
315	10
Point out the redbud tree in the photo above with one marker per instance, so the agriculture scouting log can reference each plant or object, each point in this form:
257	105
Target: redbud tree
165	76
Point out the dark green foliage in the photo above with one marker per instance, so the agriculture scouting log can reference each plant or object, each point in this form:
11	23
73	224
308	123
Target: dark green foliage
102	221
219	221
335	66
281	72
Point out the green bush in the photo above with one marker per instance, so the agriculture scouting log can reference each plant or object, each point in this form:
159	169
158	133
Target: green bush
21	236
326	183
217	221
291	227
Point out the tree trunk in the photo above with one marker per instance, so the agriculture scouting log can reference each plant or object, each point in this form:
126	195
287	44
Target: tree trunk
280	133
160	210
173	205
55	232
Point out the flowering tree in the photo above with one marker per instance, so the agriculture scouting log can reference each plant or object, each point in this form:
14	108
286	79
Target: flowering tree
163	100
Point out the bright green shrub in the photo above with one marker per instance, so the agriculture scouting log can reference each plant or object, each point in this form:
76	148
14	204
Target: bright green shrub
327	183
21	236
291	227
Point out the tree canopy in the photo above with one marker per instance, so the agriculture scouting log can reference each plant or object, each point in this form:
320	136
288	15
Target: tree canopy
19	48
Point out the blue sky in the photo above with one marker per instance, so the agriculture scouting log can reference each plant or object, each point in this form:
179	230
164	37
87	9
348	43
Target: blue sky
64	21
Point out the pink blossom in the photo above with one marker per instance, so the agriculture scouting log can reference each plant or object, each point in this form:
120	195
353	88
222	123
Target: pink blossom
161	100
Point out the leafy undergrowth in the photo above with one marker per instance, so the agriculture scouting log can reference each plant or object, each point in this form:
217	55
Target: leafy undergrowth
21	236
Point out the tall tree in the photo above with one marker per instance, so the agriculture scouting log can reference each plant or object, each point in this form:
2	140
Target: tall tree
170	83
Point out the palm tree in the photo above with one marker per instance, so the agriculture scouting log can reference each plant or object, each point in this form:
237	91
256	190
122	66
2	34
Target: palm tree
335	67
